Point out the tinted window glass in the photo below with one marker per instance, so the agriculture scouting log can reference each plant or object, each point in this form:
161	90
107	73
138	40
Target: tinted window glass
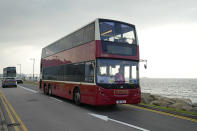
89	71
79	72
120	49
111	71
117	32
10	78
118	38
79	37
60	73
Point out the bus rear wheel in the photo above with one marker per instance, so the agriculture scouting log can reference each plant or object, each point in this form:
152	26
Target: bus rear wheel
77	97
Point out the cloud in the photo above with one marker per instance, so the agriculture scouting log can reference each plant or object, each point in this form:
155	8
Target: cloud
28	26
170	50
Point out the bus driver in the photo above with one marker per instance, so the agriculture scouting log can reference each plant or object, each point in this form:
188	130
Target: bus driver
119	78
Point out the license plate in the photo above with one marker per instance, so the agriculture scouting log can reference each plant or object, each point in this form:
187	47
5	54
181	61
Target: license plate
121	92
121	102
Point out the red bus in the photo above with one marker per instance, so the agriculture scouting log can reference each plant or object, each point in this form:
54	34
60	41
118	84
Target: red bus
97	64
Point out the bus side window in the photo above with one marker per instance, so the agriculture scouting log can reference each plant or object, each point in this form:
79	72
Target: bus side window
89	72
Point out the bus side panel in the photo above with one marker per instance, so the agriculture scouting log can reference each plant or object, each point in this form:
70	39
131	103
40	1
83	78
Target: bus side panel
88	94
85	52
94	95
60	89
65	90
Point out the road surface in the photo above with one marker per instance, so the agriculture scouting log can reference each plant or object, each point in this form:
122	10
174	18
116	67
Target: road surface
33	111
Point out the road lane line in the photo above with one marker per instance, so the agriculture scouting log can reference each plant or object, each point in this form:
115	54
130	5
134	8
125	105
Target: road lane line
56	99
28	89
130	125
2	118
37	92
9	114
14	112
106	118
163	113
16	115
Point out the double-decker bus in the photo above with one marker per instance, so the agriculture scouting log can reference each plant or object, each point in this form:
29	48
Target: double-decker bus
97	64
9	72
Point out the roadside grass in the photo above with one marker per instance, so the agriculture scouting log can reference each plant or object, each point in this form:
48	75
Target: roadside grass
170	109
31	82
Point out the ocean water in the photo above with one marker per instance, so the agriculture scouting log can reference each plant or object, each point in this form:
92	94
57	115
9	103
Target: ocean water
173	88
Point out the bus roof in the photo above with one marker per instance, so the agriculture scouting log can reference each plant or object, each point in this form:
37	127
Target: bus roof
70	33
85	26
61	45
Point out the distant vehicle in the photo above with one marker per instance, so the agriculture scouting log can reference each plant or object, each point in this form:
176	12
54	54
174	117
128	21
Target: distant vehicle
9	82
9	72
19	81
97	64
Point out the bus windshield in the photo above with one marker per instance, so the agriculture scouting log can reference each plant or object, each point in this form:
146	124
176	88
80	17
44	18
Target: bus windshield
11	70
111	71
117	32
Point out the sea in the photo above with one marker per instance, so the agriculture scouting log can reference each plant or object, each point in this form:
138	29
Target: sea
172	88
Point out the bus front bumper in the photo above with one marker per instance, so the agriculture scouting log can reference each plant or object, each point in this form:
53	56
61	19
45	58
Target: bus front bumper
110	97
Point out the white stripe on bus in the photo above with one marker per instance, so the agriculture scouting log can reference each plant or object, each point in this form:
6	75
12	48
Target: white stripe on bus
70	82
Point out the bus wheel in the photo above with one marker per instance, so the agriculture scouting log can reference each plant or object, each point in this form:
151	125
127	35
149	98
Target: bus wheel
77	97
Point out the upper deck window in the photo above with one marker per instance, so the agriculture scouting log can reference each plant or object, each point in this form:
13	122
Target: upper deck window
11	69
77	38
118	38
117	32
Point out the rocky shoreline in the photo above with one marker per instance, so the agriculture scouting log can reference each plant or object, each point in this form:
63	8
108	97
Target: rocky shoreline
177	103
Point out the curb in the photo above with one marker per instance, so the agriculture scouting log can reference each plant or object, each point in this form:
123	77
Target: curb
167	111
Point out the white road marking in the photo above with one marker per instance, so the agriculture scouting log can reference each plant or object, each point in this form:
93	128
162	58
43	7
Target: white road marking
37	92
56	99
106	118
28	89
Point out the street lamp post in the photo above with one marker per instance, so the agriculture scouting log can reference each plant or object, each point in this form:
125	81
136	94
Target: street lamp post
20	69
33	66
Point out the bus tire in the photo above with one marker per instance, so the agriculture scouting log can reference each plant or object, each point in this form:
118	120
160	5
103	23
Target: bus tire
77	96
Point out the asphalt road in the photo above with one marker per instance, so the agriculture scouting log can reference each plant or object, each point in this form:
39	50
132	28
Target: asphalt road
40	112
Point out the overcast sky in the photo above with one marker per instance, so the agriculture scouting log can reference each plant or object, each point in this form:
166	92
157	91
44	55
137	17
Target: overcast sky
167	30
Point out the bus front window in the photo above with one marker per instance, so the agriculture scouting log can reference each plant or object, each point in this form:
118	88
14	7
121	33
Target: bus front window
117	72
117	32
118	38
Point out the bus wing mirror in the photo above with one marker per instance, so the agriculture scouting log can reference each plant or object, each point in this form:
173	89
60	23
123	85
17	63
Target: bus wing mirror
145	65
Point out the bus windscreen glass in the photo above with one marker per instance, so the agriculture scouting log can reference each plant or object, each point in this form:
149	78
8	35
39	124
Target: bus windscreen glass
111	71
118	38
117	32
